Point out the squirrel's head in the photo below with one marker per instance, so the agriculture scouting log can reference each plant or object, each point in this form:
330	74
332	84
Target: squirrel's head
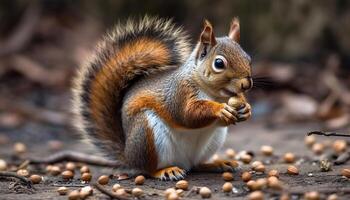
222	66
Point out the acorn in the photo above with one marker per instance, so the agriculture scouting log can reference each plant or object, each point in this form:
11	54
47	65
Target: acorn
23	172
139	180
345	172
256	195
3	165
227	176
227	187
74	195
246	176
292	170
266	150
230	153
35	179
137	192
289	157
205	192
182	184
103	180
62	190
274	173
67	175
86	177
313	195
19	148
246	158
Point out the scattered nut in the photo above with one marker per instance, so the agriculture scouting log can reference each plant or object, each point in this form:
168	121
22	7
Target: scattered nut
227	187
74	195
332	197
182	185
205	192
246	176
55	170
260	168
312	196
23	172
318	148
116	187
84	169
273	172
227	176
19	148
246	158
85	192
292	170
230	153
339	146
255	164
168	191
62	190
289	157
267	150
86	177
310	140
67	175
261	183
180	192
173	196
3	165
274	183
345	172
137	192
139	180
35	179
103	180
120	192
252	185
257	195
70	166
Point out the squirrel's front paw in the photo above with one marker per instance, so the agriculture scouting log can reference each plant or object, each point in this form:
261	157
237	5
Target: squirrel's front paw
228	115
244	112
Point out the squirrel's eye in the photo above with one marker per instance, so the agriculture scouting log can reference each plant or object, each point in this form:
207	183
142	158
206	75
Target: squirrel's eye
219	64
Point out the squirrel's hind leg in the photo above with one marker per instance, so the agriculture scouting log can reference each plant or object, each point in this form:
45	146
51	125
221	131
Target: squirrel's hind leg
217	166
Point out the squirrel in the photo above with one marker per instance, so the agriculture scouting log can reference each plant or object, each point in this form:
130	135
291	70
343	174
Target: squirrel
161	109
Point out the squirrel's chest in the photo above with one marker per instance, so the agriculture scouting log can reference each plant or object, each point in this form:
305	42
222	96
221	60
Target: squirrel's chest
184	148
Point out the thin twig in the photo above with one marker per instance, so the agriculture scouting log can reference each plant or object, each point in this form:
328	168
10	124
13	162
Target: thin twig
328	134
109	193
14	175
75	157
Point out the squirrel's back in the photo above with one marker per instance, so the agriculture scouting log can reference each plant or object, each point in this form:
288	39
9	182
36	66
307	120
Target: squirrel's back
131	50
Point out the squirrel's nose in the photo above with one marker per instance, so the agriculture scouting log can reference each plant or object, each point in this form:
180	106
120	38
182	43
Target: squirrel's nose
246	83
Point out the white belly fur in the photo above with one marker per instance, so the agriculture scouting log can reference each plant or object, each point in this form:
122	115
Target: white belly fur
184	148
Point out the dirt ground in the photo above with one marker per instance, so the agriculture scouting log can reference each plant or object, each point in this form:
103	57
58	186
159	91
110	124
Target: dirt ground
245	136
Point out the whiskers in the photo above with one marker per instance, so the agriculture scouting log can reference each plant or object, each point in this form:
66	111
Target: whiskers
263	83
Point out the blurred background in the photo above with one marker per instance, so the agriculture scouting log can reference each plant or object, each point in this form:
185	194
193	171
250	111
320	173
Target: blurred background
300	51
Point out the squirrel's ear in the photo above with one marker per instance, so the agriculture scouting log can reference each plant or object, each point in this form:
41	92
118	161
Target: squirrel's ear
234	33
207	36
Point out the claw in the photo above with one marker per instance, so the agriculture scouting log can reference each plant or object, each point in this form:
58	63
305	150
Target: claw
170	173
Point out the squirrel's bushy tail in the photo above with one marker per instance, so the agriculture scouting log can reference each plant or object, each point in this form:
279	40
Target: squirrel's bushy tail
130	50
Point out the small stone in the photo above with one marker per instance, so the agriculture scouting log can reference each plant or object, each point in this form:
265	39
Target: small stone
312	195
310	140
318	148
267	150
84	169
137	192
86	177
339	146
205	192
332	197
273	172
74	195
227	187
3	165
345	172
289	157
67	175
292	170
116	187
257	195
246	176
19	148
103	180
230	153
35	179
139	180
23	172
227	176
246	158
70	166
182	184
62	190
